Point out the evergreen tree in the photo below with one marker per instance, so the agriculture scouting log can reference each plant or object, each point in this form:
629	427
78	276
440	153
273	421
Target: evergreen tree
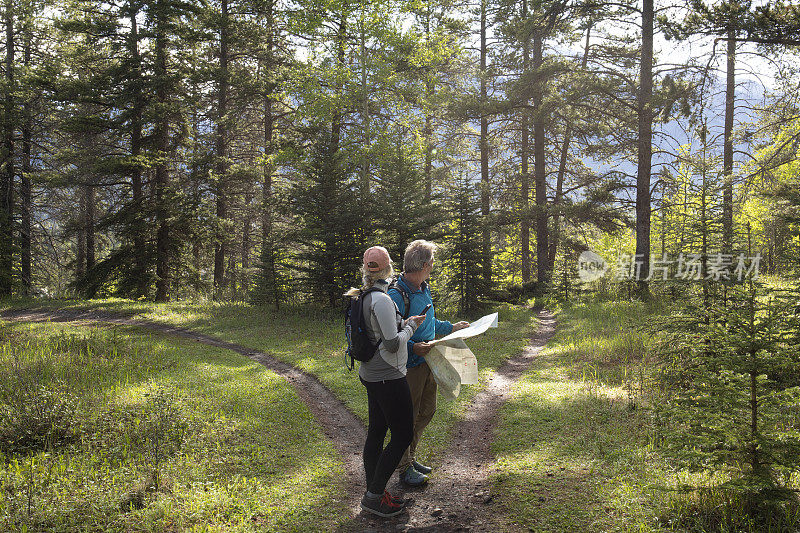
401	200
464	257
732	374
7	155
325	203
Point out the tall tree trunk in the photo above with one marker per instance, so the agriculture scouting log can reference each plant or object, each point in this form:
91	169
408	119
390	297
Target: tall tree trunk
248	223
540	175
484	148
525	229
428	133
525	223
220	249
7	170
365	119
727	191
645	129
232	274
428	128
267	249
336	121
196	189
365	228
25	182
80	266
88	224
161	136
562	169
88	141
137	192
336	128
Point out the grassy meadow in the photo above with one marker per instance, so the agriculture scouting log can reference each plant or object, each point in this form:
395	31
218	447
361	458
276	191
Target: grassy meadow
149	433
242	452
578	448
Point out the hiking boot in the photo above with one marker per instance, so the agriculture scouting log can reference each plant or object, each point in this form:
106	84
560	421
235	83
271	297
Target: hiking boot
413	478
382	506
421	468
397	500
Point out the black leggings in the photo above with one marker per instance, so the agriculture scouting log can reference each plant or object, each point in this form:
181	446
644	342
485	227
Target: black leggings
390	407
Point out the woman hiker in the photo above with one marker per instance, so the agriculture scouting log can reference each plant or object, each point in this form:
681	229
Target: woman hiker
384	377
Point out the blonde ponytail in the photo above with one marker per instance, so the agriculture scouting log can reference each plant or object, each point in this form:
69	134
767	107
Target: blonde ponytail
368	279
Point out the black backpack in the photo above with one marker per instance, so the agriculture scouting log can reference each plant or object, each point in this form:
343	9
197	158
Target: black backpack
359	347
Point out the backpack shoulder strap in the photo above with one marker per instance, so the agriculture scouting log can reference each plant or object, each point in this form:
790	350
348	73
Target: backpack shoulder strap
403	294
361	303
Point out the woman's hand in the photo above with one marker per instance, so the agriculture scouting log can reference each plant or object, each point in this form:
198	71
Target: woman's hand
417	319
460	325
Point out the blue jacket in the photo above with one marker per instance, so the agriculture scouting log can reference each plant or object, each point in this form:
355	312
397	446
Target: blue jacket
430	328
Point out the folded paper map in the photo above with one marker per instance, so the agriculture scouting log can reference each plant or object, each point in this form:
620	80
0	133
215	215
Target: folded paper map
452	363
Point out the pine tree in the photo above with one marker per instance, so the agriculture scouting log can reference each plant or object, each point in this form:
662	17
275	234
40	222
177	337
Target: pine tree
328	217
401	199
732	375
464	257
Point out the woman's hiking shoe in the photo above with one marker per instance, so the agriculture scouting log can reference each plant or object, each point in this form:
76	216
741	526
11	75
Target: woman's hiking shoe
397	500
421	468
382	506
413	478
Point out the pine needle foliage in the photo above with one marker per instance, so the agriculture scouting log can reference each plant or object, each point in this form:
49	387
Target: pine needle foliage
328	215
730	372
464	247
404	214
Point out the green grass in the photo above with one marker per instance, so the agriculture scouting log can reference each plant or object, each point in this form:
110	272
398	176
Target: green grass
577	448
242	452
313	340
573	448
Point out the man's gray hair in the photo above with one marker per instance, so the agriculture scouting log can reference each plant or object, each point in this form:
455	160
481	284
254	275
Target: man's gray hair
417	254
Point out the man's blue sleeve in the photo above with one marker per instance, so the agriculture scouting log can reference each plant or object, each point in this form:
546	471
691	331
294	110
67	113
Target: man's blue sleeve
443	327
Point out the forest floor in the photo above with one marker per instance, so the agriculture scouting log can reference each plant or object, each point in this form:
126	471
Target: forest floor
551	440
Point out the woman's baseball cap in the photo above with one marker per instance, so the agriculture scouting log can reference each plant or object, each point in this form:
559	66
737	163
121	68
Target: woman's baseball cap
376	259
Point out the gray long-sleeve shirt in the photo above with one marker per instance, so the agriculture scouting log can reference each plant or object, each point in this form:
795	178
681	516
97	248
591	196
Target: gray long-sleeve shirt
383	321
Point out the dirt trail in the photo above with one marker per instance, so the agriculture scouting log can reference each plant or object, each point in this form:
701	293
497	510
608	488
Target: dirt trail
458	498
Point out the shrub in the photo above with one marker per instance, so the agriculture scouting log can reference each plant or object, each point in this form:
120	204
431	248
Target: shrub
163	427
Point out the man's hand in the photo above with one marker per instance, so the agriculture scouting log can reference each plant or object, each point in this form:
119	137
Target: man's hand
422	348
460	325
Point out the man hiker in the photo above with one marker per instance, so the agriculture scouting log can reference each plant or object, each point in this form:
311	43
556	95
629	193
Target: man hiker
412	288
